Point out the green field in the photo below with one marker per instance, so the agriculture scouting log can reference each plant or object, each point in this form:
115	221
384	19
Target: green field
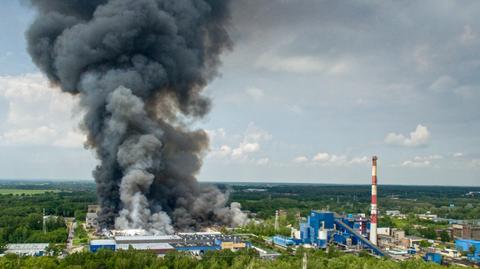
22	191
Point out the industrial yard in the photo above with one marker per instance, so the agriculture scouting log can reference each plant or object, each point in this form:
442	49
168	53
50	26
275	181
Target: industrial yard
281	225
376	233
242	134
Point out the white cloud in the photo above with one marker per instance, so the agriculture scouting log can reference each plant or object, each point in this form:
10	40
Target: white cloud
223	152
295	109
321	157
73	139
419	137
325	158
244	149
443	84
255	93
338	159
360	160
416	164
293	64
468	35
475	163
38	136
219	133
255	134
303	64
263	161
38	114
300	159
458	154
422	161
421	57
250	144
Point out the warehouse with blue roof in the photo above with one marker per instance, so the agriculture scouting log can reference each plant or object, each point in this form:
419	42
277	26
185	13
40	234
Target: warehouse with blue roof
471	247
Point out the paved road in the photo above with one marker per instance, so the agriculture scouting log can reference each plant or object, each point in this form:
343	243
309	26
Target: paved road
72	224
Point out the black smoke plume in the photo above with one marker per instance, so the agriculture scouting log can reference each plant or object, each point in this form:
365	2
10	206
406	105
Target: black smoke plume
138	67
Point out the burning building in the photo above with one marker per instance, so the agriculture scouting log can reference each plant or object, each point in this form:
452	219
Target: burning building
138	69
197	243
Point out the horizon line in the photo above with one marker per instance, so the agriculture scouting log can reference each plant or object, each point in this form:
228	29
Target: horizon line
227	181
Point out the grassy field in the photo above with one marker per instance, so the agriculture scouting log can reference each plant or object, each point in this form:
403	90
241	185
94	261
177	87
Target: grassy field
81	235
21	191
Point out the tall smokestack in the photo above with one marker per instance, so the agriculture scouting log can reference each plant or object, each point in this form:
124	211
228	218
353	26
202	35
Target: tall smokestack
373	213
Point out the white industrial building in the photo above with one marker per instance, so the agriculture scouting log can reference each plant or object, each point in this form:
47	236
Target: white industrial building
32	249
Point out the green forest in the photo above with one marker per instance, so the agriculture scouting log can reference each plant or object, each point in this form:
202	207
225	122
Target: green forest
132	259
21	214
21	222
446	202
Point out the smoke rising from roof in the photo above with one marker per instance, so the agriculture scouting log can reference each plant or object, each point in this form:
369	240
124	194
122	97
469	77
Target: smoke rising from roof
138	68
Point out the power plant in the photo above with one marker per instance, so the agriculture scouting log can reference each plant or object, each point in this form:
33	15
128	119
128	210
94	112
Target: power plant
324	227
321	229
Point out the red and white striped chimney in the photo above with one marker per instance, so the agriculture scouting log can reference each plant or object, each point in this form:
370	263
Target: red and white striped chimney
373	212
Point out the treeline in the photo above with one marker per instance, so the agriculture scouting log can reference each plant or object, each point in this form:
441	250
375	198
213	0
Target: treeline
132	259
29	229
21	215
428	230
34	184
446	202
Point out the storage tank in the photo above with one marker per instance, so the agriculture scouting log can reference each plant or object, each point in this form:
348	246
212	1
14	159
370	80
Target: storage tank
322	238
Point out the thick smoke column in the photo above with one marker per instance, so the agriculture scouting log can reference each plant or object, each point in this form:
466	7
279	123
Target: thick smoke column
138	67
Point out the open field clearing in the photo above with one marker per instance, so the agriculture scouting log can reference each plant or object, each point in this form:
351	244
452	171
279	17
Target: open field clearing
21	191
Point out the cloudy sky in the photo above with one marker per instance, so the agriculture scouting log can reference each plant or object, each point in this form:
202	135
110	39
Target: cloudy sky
311	90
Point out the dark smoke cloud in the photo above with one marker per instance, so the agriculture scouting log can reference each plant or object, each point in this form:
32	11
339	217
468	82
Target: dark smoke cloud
139	68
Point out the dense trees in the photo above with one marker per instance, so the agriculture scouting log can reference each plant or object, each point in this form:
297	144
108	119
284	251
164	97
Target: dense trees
444	236
21	222
21	215
3	246
428	233
29	229
132	259
446	202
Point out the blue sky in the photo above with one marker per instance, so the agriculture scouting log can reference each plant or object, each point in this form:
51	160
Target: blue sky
311	90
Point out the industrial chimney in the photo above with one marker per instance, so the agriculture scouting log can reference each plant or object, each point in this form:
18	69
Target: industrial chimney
373	212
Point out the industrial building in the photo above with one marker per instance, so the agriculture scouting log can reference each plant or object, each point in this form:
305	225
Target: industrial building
95	245
471	247
158	248
465	231
324	227
433	257
91	219
197	243
147	239
29	249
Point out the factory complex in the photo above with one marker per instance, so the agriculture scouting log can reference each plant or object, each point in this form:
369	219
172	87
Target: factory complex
320	229
196	243
356	232
324	227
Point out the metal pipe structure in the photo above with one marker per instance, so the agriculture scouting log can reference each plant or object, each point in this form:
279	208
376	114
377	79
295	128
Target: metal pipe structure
373	212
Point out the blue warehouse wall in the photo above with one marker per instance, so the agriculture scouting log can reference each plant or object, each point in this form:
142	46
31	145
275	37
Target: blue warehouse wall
95	248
